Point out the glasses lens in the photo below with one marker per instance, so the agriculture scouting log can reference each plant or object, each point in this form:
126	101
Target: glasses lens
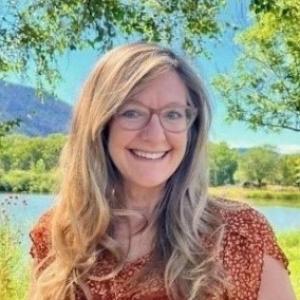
174	119
133	118
177	118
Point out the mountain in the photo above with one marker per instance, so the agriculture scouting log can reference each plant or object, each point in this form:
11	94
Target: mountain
38	117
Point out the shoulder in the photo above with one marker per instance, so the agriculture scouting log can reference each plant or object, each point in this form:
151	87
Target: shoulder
248	239
251	227
40	236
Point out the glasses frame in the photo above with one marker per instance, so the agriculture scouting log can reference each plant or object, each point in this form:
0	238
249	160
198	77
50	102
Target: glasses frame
157	112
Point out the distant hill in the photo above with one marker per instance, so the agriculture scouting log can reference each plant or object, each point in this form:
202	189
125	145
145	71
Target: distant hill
39	118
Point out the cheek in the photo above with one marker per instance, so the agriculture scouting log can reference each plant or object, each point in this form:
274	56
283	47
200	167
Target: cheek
179	143
117	143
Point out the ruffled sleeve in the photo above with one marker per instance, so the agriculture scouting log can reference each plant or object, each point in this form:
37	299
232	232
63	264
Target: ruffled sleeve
41	237
248	237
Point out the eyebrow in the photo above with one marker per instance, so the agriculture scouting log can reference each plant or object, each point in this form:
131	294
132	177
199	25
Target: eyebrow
136	102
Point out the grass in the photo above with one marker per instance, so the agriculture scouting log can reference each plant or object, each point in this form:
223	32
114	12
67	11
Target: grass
272	195
290	243
13	270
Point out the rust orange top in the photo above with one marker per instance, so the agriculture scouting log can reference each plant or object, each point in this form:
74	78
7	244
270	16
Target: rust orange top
248	237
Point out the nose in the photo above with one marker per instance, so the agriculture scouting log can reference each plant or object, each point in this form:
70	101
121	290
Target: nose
153	130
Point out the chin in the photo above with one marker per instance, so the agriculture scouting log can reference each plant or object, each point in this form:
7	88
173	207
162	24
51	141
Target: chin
148	183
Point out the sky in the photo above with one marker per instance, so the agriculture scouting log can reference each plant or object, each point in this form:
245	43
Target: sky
75	66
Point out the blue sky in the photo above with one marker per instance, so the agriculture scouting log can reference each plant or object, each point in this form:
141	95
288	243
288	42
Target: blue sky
75	66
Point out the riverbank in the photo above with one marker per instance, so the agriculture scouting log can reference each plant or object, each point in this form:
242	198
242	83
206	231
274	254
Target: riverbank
271	195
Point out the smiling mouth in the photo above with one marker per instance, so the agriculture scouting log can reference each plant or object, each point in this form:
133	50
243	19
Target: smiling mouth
148	155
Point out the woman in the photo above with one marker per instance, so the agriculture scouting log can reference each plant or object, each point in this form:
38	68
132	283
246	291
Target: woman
133	219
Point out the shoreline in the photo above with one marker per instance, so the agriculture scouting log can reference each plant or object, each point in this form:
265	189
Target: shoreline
270	196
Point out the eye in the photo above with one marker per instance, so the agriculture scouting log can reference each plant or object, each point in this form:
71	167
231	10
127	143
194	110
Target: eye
173	114
131	114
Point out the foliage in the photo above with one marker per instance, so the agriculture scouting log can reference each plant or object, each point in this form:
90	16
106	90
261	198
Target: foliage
7	126
258	164
21	152
33	181
40	31
223	164
13	273
29	164
264	88
289	170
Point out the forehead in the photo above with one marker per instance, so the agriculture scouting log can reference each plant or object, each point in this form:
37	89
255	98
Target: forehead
166	89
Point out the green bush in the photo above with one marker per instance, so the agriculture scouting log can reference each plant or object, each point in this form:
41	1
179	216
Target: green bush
28	181
16	181
22	152
43	182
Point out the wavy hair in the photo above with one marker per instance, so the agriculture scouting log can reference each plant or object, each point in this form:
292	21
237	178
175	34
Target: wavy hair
189	231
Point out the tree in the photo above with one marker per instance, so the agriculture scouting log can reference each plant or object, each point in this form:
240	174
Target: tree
24	153
289	169
35	33
51	149
258	164
264	88
223	164
7	126
40	31
39	167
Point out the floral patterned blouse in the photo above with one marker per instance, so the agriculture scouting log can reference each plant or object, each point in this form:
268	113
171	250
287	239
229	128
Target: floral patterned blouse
248	237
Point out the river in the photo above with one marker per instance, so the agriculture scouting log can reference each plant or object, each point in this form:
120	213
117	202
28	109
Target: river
24	210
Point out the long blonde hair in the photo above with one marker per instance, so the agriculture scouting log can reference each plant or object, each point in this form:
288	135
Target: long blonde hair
89	199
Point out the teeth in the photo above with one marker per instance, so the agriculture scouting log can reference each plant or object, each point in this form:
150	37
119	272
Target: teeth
149	155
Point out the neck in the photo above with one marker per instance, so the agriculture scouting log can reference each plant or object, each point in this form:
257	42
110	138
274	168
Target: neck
142	199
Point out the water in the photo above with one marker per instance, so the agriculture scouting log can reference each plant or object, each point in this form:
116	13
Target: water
24	211
282	218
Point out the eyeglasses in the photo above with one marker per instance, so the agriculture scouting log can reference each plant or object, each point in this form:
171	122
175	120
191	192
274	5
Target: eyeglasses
175	118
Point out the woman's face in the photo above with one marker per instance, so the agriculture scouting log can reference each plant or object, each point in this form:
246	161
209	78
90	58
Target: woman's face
147	157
